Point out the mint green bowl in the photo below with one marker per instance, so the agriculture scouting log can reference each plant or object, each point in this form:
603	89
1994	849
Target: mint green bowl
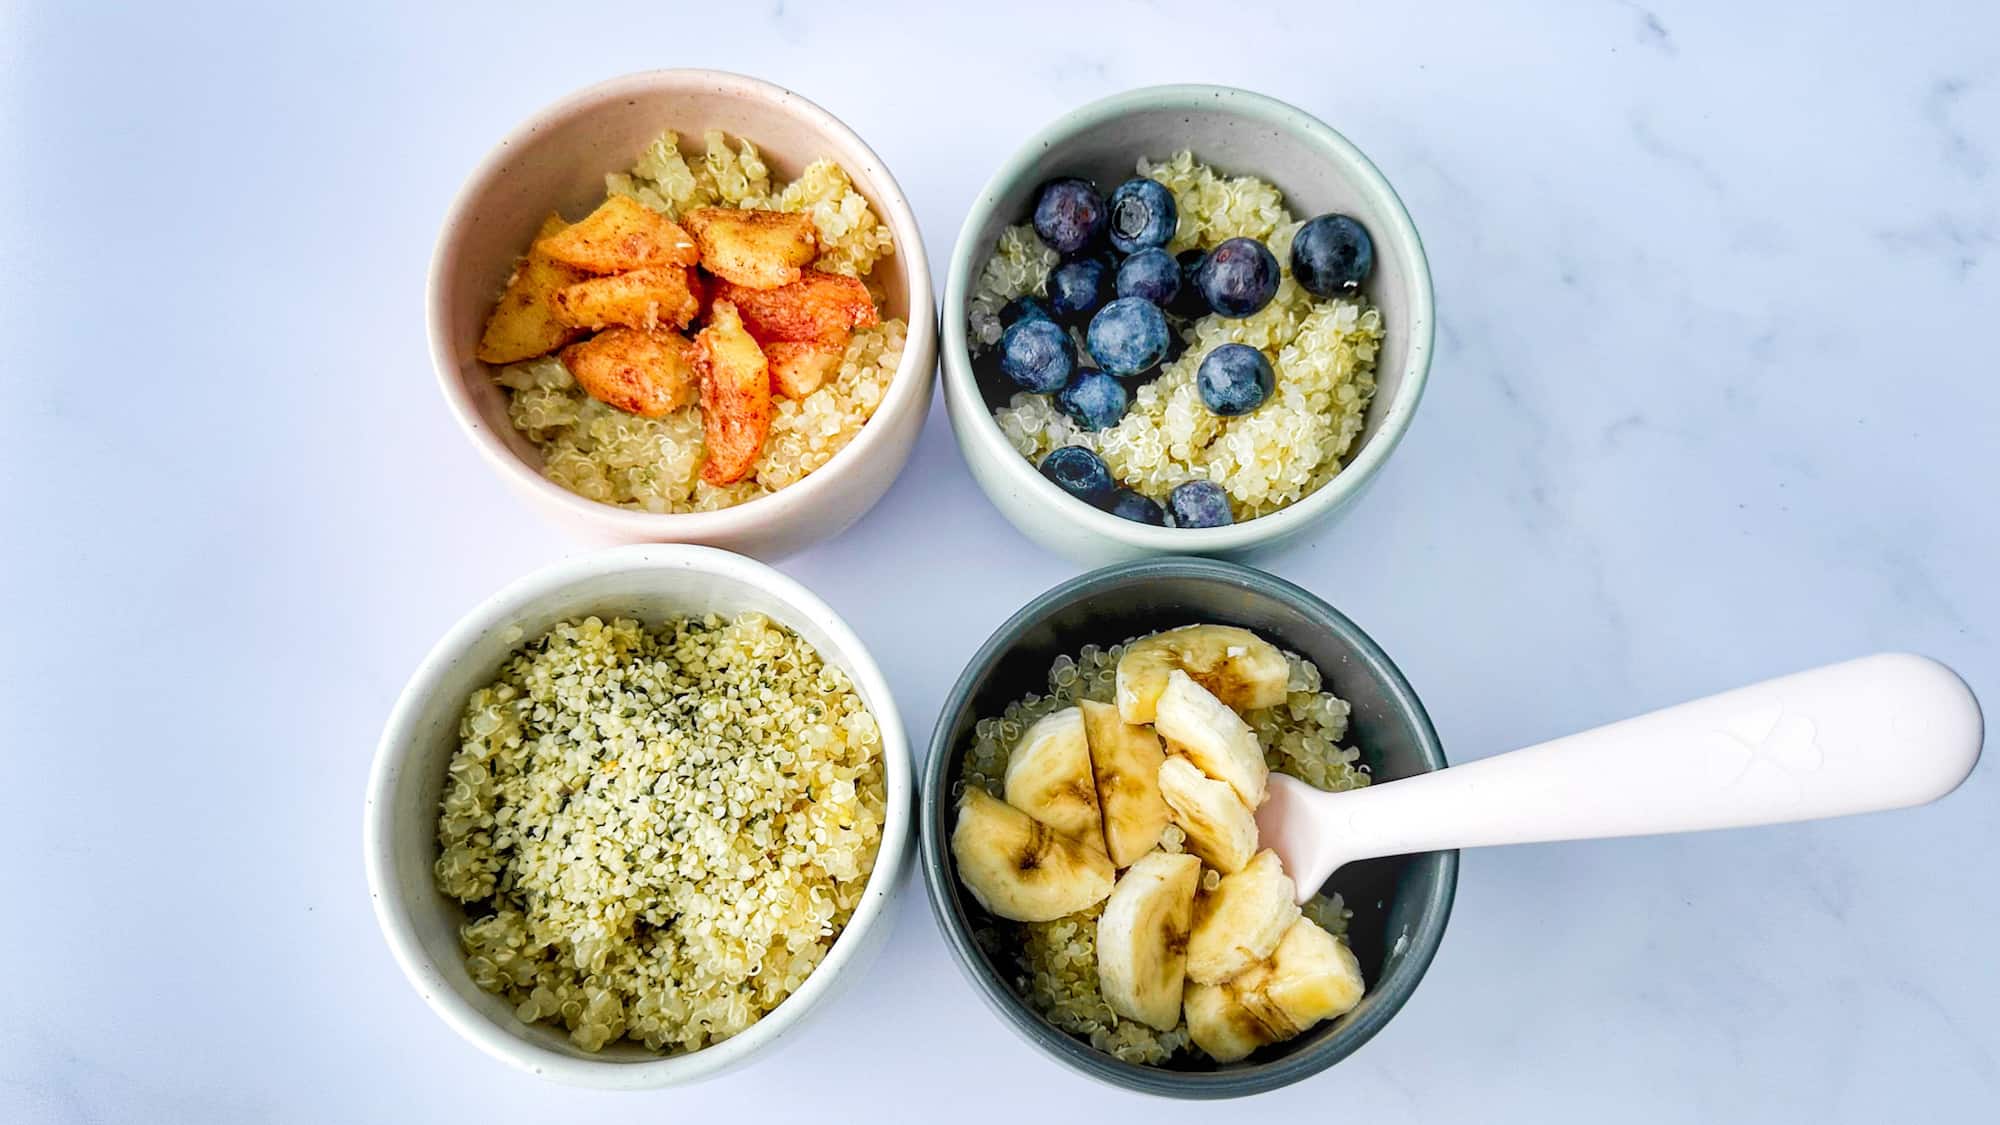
1238	132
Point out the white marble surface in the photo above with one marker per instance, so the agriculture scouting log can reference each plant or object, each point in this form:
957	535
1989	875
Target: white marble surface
1715	398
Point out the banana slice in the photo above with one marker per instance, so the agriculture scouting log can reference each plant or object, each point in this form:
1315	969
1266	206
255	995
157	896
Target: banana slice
1221	1025
1142	939
1194	722
1049	778
1219	828
1241	921
1125	760
1242	669
1311	976
1021	869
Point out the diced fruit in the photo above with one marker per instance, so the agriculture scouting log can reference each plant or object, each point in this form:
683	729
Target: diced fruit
1220	1025
523	323
1022	308
1332	255
1237	666
1093	399
1150	275
1194	722
1080	473
1143	216
1069	215
1125	762
1021	869
1137	507
1078	288
643	298
650	374
1234	379
1241	921
735	396
622	235
815	306
1311	976
759	249
1036	353
1142	939
1049	777
1239	277
800	367
1220	828
1128	336
1199	503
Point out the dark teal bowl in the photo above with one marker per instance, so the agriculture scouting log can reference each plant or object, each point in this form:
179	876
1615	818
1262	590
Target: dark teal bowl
1400	904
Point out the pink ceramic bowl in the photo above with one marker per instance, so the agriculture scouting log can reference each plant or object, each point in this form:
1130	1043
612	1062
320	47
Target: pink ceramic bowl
558	160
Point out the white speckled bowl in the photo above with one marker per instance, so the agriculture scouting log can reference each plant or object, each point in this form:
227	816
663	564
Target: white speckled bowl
557	159
399	828
1240	132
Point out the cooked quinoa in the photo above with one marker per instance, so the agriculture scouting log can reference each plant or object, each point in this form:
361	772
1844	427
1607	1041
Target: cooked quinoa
605	454
1056	961
1322	352
661	831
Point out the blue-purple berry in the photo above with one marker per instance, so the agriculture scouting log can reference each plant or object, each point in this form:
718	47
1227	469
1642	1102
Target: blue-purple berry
1080	473
1143	215
1069	215
1037	354
1199	503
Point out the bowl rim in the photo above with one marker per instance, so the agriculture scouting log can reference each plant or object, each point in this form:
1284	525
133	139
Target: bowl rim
392	911
1394	989
913	373
962	387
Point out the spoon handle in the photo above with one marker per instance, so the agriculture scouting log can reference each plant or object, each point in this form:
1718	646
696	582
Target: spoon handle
1881	732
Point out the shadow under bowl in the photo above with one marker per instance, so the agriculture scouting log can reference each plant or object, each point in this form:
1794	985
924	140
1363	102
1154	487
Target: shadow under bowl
1400	904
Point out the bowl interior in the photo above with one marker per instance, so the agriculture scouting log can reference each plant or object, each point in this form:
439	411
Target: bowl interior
1400	904
430	737
1238	134
558	161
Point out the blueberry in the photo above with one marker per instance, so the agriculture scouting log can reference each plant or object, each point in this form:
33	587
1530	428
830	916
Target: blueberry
1080	473
1239	277
1127	336
1190	303
1198	503
1150	275
1234	379
1136	507
1079	287
1332	255
1069	214
1037	354
1094	400
1022	308
1142	215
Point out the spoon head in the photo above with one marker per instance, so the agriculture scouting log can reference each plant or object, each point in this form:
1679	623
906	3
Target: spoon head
1292	823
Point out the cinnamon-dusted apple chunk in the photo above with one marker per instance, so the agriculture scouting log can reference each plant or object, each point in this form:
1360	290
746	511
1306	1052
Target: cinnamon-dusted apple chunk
650	374
523	324
816	305
648	298
735	396
622	234
798	368
757	249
